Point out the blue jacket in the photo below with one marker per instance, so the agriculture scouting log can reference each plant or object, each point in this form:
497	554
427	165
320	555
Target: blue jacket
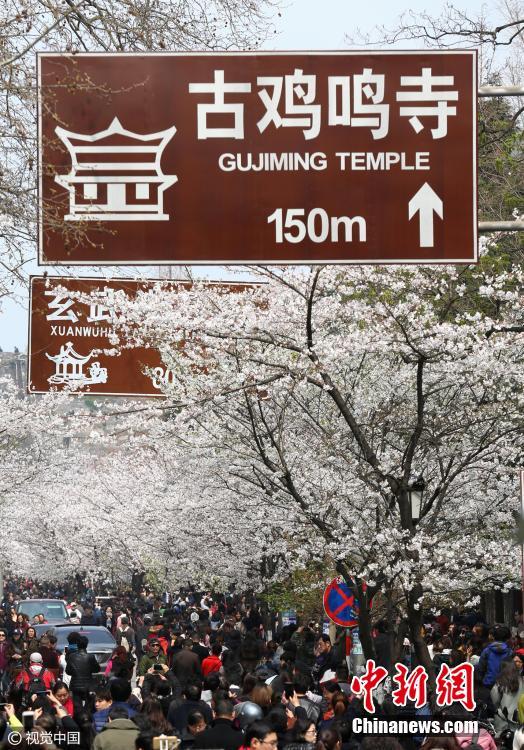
490	661
100	718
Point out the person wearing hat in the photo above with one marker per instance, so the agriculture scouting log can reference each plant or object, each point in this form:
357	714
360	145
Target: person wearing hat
17	642
154	655
36	678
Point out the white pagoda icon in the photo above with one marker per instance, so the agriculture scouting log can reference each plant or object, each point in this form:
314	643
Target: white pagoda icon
116	174
69	368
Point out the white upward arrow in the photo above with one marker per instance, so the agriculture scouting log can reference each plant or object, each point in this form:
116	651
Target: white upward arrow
425	202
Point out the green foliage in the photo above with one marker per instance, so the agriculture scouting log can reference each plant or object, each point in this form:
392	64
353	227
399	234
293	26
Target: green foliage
301	591
501	168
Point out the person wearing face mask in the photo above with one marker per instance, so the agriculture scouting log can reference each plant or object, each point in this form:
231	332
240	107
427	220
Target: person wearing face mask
35	679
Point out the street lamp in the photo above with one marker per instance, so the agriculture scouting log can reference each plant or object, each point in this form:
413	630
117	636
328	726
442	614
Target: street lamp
415	492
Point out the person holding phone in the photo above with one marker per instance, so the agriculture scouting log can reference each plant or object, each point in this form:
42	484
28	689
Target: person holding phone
13	722
155	655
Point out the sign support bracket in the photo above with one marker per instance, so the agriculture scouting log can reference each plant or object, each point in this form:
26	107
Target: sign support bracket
501	226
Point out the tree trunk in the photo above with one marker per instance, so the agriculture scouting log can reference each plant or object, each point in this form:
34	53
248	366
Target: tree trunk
414	601
364	620
392	633
137	581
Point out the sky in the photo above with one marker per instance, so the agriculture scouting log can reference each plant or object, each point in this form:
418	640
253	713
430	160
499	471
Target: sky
327	24
302	25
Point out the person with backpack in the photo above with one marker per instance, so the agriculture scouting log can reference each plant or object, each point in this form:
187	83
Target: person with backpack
125	635
35	679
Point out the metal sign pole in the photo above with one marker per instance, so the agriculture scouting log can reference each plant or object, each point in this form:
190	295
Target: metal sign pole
348	650
348	642
501	91
501	226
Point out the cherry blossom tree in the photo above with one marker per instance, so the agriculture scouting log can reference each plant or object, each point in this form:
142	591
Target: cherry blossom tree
112	509
320	394
32	433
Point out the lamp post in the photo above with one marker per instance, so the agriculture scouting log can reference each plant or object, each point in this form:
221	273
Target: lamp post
415	493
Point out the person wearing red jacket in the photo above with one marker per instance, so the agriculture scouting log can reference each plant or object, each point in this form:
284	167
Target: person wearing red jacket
63	696
36	671
214	662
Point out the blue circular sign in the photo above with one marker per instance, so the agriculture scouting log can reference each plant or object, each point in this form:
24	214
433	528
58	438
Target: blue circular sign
340	604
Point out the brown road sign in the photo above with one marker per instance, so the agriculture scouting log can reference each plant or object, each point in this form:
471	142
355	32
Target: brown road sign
350	157
70	328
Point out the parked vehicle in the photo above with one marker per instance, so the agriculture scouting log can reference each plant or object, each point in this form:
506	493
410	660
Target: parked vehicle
54	610
101	642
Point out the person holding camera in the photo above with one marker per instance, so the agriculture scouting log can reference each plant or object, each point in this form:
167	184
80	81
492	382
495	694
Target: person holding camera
154	657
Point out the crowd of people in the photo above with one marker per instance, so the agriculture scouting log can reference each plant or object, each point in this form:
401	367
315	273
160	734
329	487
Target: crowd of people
206	669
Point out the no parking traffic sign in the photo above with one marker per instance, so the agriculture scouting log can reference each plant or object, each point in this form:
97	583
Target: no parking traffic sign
340	604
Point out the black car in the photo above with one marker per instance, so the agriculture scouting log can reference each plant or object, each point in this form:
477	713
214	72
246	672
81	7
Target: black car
101	642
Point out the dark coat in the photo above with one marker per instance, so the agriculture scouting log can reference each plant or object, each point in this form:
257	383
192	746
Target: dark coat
81	666
186	666
201	651
149	681
221	734
123	670
178	712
